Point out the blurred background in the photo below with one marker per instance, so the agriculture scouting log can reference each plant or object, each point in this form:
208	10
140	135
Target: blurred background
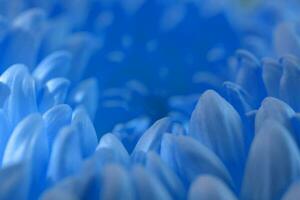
150	57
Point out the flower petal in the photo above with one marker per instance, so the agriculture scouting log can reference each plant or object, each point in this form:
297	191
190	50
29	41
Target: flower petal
151	139
22	98
272	72
66	158
189	159
210	187
147	186
86	130
167	177
55	119
217	125
273	163
273	109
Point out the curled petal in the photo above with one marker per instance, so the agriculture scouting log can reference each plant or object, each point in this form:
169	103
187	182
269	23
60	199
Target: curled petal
273	164
151	139
55	65
249	75
210	187
54	93
276	110
237	97
86	94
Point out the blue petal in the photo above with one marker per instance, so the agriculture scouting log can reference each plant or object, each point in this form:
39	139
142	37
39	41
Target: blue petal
86	130
14	182
53	66
286	39
116	184
55	119
167	177
28	142
70	188
293	193
112	142
33	20
5	133
210	187
289	81
151	139
86	94
66	155
272	72
237	97
147	186
189	159
81	46
249	75
217	125
22	99
4	93
54	93
276	110
273	163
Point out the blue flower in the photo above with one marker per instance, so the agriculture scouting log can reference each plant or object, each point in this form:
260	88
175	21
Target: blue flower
149	99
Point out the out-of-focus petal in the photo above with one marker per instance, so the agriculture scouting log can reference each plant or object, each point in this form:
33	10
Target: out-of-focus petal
289	81
285	39
293	193
166	176
210	187
272	72
14	182
147	186
115	184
